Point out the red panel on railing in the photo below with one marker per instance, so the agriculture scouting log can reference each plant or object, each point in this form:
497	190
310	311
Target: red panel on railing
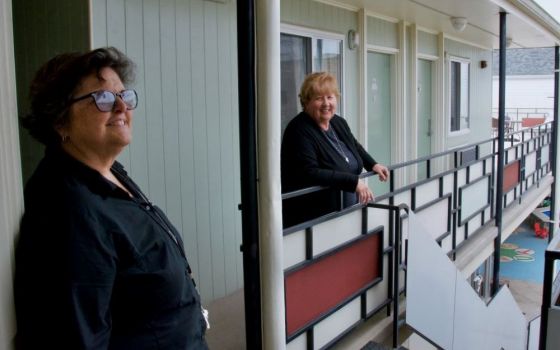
511	176
316	289
529	122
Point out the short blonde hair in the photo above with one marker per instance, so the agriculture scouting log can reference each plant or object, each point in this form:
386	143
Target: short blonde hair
318	83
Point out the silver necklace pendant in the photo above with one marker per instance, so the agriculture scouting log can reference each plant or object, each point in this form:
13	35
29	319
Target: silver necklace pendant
337	146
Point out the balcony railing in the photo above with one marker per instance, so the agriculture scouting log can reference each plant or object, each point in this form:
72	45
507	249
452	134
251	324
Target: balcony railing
517	119
517	114
342	268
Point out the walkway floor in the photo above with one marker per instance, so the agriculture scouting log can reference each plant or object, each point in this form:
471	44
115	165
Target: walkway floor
528	296
522	268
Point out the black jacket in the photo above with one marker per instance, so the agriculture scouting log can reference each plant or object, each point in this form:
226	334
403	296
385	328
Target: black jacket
308	159
97	269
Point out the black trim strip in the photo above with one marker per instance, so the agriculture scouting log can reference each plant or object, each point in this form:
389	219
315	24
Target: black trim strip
248	166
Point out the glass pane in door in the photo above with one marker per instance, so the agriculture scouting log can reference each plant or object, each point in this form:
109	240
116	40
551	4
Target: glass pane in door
380	96
424	113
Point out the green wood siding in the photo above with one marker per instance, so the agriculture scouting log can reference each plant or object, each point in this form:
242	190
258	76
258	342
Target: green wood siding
427	43
43	29
11	200
382	33
185	145
480	92
319	16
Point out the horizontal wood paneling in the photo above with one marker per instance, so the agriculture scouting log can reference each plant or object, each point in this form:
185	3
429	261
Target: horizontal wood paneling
427	43
185	145
382	33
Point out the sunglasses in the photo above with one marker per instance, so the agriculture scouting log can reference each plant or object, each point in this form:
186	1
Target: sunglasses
105	101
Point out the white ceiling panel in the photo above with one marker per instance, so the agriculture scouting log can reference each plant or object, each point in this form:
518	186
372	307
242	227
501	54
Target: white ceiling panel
527	24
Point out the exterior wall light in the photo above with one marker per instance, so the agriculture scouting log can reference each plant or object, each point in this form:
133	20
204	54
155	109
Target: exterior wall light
509	41
459	23
353	39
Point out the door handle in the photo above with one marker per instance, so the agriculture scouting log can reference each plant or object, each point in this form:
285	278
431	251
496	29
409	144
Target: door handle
429	133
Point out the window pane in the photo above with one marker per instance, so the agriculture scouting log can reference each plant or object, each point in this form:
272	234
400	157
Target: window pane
295	65
464	95
300	56
327	57
454	94
459	95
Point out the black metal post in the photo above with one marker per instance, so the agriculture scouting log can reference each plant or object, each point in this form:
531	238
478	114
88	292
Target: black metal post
547	290
397	265
248	161
553	216
500	168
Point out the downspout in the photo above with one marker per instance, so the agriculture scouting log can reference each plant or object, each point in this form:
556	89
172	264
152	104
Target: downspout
270	194
248	165
553	215
500	170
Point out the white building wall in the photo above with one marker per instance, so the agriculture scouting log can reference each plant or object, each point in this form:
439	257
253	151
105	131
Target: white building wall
11	198
526	91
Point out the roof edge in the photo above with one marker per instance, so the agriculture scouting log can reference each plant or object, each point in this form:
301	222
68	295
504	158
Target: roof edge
535	12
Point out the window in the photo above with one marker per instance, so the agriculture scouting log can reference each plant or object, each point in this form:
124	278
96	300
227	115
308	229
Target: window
299	56
459	94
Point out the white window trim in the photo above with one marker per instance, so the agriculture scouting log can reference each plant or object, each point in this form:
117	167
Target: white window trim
451	58
320	34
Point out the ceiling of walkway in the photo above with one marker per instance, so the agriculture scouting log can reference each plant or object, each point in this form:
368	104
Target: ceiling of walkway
527	24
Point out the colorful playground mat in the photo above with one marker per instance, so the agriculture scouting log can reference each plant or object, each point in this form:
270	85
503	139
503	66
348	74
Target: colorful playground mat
522	256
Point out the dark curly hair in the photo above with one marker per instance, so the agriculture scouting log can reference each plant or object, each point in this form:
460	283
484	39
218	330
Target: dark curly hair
55	82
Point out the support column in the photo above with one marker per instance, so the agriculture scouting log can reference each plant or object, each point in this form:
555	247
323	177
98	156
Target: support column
553	226
413	112
399	127
270	197
363	89
248	166
500	166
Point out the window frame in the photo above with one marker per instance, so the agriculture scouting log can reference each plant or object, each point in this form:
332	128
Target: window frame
314	34
462	60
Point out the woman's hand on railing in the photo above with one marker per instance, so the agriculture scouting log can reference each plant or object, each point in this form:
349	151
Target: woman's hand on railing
382	171
364	193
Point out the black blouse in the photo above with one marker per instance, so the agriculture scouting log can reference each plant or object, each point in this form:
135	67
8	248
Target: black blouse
309	159
97	269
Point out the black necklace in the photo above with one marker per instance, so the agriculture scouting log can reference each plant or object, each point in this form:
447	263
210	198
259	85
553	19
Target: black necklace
337	146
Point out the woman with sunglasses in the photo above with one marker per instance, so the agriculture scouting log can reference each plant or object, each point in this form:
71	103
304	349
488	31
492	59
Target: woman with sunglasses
98	266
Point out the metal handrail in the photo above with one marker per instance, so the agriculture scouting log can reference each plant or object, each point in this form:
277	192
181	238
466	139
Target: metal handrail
530	141
397	238
538	129
517	111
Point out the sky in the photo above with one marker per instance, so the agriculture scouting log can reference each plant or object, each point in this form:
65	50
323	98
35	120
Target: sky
552	7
